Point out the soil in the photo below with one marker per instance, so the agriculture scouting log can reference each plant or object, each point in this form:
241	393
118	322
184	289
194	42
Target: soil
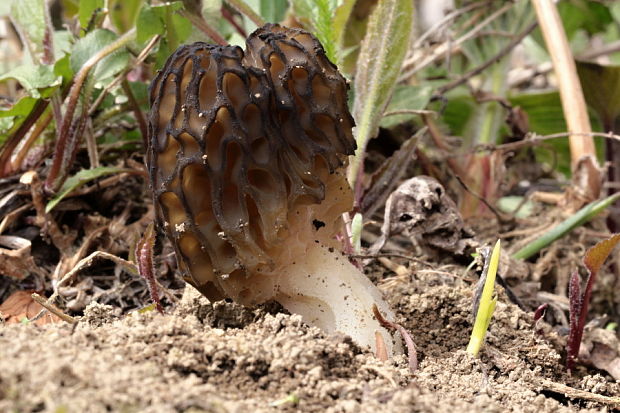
222	357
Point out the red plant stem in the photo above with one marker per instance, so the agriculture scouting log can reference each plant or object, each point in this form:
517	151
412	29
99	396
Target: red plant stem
144	257
576	326
201	24
411	349
540	311
231	19
55	178
11	143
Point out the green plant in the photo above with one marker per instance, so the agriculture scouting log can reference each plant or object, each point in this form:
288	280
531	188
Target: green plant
486	305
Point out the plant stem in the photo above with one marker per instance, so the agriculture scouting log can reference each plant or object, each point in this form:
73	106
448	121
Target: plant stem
64	148
243	8
201	24
571	94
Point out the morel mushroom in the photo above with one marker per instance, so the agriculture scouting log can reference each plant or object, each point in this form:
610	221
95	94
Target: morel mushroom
246	155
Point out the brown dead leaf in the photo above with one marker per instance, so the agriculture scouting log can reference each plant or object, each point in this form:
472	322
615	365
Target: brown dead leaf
20	305
601	349
18	263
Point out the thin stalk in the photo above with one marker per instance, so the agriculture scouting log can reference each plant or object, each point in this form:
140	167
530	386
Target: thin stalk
136	111
63	148
201	24
40	126
243	8
571	94
15	138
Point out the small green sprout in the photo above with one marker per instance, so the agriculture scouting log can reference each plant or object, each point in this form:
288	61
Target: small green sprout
291	399
486	306
356	233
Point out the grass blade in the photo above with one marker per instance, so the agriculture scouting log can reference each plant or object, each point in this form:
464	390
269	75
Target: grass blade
579	218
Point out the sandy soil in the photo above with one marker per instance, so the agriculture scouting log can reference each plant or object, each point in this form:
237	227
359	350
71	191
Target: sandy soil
203	357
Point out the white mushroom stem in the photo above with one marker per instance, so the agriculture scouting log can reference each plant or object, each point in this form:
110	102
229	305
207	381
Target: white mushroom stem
329	292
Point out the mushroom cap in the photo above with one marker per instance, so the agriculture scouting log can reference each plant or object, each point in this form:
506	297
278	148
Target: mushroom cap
239	145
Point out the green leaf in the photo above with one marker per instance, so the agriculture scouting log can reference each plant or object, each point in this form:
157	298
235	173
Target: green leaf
149	24
163	20
583	14
62	68
340	24
181	26
601	88
91	44
381	56
21	108
33	78
79	179
273	10
30	16
316	15
13	117
123	13
509	204
545	116
87	9
406	97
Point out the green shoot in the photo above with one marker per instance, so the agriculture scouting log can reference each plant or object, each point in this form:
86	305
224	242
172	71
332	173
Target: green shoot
579	218
356	233
486	306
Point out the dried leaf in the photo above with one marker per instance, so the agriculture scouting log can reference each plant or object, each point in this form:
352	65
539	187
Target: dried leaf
596	256
20	306
18	263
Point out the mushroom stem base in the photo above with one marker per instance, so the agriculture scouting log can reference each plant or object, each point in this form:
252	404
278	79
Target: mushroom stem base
330	293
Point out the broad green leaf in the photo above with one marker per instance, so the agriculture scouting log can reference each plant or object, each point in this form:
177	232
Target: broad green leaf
181	26
406	97
590	16
273	11
149	24
31	18
63	42
601	88
163	20
91	44
11	118
316	15
381	56
33	78
349	23
339	24
82	177
509	204
21	108
123	13
87	9
545	116
62	68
